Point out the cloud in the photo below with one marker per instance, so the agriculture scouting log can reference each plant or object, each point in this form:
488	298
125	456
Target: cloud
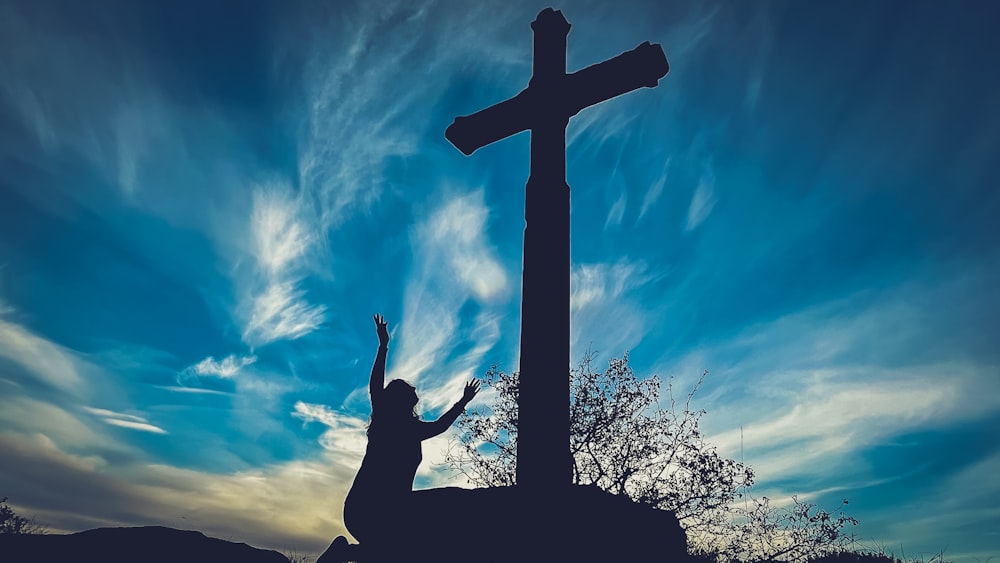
354	119
831	413
594	284
142	426
48	362
114	115
617	211
655	191
437	345
358	117
281	506
702	202
606	306
345	435
228	367
453	264
181	160
26	415
814	389
969	498
281	312
279	233
51	410
278	308
123	420
105	413
597	125
454	236
196	390
345	438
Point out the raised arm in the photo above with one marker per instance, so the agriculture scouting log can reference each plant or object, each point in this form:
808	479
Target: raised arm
431	429
377	382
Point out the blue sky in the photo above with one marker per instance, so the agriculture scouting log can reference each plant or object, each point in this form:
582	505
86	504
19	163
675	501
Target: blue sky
203	203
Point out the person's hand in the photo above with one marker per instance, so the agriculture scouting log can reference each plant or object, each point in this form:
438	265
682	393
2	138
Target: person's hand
383	332
471	388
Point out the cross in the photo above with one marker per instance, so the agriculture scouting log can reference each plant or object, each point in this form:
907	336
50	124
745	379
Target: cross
544	462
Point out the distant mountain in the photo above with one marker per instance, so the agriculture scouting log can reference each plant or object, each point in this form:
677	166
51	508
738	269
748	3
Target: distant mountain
149	544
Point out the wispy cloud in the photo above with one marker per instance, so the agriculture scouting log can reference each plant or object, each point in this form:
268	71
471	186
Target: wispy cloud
227	367
266	506
131	421
195	390
69	379
454	263
359	119
839	411
116	118
702	201
438	348
593	284
970	498
354	118
29	416
814	388
454	236
105	413
281	312
345	435
131	424
655	191
282	236
806	398
617	211
41	358
155	151
605	302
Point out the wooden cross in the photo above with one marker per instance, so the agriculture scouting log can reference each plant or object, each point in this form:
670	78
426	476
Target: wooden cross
544	463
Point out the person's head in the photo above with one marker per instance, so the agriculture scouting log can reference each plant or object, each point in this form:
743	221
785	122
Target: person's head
400	398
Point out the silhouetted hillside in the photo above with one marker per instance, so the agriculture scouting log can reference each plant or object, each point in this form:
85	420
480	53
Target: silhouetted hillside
507	524
130	545
856	557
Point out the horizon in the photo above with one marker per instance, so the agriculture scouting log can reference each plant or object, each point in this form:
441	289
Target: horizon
201	207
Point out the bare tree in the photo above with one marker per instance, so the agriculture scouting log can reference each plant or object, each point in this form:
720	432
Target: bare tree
758	531
621	440
11	523
624	441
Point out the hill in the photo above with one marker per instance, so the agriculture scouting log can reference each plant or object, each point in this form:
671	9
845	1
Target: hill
148	544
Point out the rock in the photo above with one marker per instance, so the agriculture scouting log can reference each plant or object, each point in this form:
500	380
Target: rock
505	524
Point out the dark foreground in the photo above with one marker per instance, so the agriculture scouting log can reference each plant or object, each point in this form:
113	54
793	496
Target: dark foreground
507	524
498	525
130	545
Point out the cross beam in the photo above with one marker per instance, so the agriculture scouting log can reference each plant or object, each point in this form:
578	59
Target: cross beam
544	462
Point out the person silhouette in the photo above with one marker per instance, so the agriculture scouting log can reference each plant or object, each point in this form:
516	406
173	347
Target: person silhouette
381	502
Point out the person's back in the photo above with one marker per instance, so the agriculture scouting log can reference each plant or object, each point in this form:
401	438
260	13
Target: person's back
390	462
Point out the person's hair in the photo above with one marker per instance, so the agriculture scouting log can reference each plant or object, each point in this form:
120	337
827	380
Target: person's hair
396	405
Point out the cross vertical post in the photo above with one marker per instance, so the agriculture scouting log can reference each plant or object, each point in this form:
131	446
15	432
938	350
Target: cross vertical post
544	462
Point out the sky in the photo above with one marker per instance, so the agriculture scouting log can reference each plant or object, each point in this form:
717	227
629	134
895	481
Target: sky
203	203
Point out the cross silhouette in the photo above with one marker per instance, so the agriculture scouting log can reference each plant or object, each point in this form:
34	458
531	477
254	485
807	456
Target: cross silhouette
544	463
